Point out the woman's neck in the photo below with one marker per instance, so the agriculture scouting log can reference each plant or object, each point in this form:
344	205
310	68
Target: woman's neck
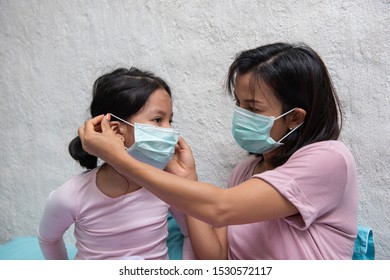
112	183
263	165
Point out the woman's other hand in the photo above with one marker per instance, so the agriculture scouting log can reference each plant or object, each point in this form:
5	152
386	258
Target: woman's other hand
182	162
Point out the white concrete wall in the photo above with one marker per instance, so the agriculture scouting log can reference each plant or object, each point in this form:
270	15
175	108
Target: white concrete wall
51	52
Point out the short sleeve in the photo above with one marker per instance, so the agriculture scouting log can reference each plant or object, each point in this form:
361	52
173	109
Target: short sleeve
313	179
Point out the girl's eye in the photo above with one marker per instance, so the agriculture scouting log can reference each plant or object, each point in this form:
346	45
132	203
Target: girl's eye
158	120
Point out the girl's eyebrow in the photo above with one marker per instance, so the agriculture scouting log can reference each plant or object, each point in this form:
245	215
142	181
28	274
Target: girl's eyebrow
160	112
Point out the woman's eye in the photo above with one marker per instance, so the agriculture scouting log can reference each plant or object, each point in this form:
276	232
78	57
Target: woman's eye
254	110
235	99
158	120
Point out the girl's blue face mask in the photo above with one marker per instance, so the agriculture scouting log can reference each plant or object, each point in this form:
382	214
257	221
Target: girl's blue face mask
153	145
252	131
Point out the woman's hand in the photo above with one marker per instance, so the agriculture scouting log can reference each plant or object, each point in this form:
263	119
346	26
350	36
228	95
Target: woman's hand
99	139
182	162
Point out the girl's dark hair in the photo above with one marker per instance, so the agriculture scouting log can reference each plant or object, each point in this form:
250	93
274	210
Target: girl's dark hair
122	92
299	78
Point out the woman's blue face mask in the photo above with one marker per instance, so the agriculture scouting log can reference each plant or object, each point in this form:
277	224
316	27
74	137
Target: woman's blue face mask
252	131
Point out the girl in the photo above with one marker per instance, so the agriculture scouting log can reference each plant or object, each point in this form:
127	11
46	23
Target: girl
114	217
295	196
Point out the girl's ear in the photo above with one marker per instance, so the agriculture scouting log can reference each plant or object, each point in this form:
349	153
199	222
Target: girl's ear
117	128
296	118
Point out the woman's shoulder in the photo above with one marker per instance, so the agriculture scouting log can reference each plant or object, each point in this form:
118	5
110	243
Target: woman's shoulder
321	156
328	144
330	148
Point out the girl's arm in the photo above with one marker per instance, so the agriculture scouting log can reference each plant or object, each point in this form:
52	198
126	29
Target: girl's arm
252	201
55	220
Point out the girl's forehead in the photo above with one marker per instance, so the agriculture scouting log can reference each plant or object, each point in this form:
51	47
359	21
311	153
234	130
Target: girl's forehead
159	95
158	101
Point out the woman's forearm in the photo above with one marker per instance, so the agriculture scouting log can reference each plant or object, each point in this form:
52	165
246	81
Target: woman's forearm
200	200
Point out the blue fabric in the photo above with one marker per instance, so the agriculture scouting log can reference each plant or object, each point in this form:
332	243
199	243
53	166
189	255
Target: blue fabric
27	248
175	239
364	244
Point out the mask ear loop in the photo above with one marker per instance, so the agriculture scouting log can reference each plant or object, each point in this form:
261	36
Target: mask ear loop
288	112
122	120
290	132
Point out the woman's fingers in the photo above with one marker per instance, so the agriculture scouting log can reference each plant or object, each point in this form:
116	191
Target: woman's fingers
89	128
99	139
95	121
183	144
91	125
105	123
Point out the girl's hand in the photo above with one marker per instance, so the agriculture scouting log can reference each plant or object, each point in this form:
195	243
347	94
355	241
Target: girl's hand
99	139
182	162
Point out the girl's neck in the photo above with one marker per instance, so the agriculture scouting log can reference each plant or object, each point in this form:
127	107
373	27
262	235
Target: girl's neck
112	183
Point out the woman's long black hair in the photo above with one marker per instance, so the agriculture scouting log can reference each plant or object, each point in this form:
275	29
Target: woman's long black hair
299	78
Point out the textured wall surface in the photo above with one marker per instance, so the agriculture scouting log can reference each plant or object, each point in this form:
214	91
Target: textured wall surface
52	51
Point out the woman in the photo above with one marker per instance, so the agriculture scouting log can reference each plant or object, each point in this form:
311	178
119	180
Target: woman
114	217
295	195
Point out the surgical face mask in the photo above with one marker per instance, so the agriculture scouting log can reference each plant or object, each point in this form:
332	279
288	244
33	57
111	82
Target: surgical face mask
153	145
252	131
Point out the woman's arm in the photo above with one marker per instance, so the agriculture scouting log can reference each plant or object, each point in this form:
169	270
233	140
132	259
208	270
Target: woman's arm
200	238
252	201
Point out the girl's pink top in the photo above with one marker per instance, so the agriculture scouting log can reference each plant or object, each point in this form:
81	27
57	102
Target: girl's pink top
133	225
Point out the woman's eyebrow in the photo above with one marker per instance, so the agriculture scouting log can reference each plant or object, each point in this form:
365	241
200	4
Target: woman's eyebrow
251	100
248	100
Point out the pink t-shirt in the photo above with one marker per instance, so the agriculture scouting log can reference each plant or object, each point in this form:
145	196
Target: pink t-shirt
320	180
105	228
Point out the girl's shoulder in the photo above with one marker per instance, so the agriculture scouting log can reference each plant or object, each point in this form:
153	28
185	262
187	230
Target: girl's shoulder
76	184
